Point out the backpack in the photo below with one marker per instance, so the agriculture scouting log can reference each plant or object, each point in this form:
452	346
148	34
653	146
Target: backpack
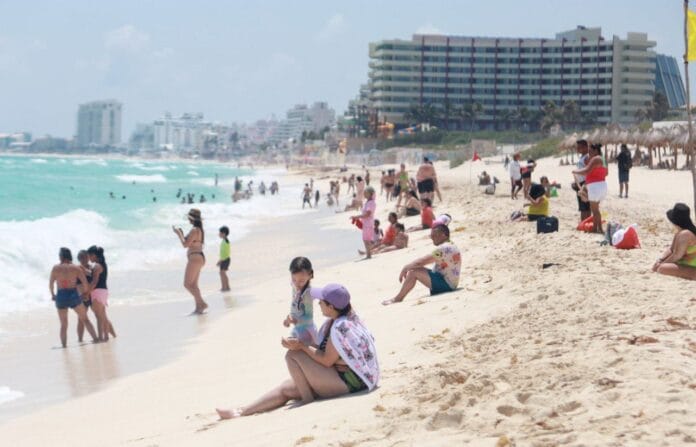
547	224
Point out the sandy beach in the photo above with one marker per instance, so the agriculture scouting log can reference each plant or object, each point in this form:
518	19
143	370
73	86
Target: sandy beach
594	350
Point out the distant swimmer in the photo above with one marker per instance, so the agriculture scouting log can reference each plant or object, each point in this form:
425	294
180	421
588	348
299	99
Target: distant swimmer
66	274
193	242
216	179
111	195
154	199
123	197
202	199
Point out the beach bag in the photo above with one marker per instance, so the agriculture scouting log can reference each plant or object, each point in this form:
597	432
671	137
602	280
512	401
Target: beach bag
626	238
547	224
357	222
586	225
490	189
553	192
612	228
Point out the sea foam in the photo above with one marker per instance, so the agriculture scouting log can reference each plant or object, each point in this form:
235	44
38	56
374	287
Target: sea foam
7	394
130	178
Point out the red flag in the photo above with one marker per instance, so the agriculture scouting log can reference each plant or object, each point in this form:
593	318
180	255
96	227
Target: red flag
476	156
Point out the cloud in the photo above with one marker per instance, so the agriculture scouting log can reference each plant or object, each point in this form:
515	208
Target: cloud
333	27
127	38
429	28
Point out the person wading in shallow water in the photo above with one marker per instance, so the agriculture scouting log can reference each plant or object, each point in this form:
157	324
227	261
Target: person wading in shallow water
66	274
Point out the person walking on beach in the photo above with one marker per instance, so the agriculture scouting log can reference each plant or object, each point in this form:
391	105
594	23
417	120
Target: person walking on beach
344	362
100	292
625	163
515	175
680	258
83	290
193	242
301	316
403	183
306	196
582	149
595	180
444	277
367	218
66	297
359	187
317	196
224	261
425	179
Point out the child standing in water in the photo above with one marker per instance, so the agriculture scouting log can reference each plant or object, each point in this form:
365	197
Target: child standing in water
301	310
224	262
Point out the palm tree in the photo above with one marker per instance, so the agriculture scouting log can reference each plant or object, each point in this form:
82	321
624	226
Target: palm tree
470	112
550	116
571	114
505	117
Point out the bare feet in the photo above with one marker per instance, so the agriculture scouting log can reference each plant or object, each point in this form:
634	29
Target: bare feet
391	301
229	413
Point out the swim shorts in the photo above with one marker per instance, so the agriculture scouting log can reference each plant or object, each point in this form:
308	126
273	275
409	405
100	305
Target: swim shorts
225	265
101	296
427	185
67	298
438	284
623	176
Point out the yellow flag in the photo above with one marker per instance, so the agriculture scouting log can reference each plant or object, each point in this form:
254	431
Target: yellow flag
691	31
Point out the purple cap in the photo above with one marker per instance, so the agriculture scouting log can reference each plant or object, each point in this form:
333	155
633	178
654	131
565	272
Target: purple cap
334	294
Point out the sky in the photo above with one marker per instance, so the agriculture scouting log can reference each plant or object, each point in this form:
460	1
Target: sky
239	61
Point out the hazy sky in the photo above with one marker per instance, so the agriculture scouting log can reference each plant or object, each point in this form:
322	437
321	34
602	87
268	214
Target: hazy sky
244	60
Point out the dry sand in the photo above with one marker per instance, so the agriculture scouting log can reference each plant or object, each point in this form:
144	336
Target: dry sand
595	350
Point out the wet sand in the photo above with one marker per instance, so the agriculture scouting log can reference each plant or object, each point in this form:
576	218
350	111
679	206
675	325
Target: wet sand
150	335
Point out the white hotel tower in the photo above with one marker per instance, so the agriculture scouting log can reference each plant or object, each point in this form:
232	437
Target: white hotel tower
611	78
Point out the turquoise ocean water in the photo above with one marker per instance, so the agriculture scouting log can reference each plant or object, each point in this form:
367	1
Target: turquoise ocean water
50	202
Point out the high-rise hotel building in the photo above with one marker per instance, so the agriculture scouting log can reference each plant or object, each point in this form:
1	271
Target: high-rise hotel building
99	123
610	78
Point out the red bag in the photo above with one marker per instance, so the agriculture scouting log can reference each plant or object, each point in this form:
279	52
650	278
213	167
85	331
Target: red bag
356	222
629	241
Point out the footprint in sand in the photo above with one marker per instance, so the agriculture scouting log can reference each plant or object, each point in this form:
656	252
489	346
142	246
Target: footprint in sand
445	420
569	406
508	410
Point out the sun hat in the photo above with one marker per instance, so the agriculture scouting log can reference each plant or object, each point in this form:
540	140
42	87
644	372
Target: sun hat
195	214
334	294
680	215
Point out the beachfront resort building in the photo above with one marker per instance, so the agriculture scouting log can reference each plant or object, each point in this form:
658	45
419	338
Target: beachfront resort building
611	79
99	124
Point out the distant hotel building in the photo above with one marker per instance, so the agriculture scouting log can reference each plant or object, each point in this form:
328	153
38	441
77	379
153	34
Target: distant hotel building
611	79
303	118
99	123
668	80
179	134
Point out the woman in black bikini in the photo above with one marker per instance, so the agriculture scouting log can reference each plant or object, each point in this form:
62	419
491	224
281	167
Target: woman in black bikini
193	241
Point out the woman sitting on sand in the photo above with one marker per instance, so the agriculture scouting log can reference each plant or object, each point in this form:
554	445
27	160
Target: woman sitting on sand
412	206
680	258
194	241
345	361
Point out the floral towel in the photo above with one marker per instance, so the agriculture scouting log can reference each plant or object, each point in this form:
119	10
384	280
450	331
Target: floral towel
356	347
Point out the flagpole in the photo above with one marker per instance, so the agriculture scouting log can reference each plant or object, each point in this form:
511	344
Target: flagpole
688	147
